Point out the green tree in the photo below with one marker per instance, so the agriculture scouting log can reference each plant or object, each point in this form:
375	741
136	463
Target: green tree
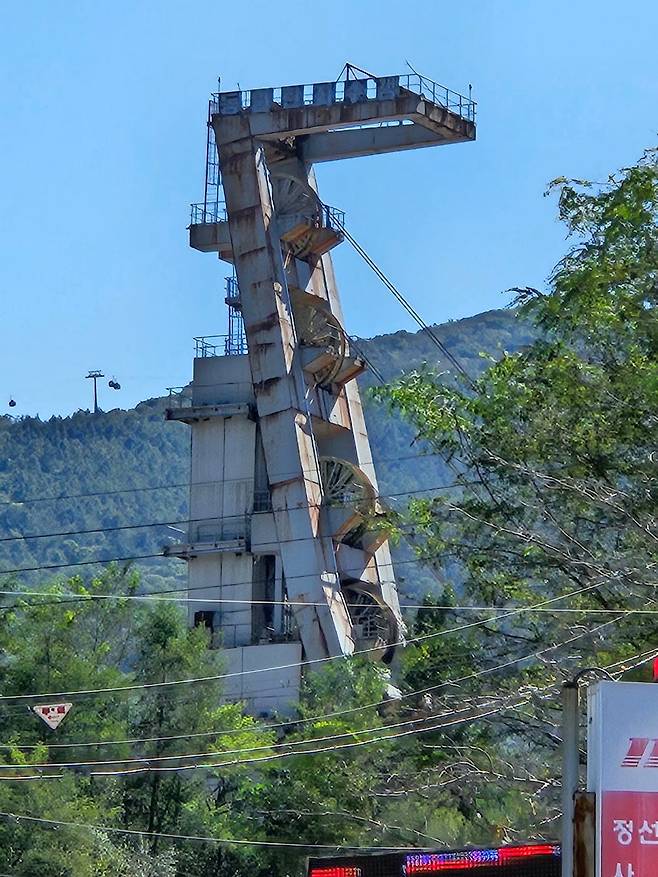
158	801
554	451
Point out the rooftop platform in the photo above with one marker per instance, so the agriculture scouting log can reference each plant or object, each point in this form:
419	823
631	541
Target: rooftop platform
352	117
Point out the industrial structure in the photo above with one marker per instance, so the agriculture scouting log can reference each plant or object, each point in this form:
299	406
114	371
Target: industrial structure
284	507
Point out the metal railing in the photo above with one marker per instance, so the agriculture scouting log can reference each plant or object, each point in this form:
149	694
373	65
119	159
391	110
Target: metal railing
288	623
344	91
219	345
205	214
232	291
322	216
221	530
209	345
201	214
332	217
179	397
440	95
235	346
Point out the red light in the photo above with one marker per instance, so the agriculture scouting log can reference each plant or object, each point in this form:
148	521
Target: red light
655	669
509	854
336	872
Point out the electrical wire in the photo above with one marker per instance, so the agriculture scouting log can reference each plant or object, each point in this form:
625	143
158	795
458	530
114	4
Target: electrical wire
520	701
274	756
188	484
445	684
270	747
228	841
156	597
132	557
132	832
217	677
277	756
214	518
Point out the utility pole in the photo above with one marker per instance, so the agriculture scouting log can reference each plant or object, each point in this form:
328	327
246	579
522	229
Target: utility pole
570	770
95	374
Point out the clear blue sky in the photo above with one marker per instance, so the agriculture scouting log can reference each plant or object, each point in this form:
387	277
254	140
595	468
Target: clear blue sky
102	149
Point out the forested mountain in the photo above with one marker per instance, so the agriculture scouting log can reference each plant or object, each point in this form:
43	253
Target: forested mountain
552	542
130	468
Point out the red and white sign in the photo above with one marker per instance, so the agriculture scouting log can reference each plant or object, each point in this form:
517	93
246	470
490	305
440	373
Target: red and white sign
52	713
623	772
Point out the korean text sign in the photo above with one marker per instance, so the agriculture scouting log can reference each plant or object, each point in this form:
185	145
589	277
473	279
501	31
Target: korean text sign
623	772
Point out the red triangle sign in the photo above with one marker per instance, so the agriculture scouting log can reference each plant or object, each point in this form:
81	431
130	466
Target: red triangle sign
52	713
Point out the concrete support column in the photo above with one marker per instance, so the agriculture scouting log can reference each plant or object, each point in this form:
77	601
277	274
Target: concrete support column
280	388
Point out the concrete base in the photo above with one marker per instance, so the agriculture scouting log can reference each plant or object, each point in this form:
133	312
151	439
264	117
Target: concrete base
269	691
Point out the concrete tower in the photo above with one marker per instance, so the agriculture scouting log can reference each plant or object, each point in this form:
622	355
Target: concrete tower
284	502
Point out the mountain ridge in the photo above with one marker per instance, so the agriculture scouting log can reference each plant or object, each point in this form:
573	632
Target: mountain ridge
123	469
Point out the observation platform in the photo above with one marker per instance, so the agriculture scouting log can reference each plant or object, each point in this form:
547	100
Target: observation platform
330	121
334	120
213	536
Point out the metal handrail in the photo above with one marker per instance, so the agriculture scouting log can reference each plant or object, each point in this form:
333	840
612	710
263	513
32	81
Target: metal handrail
232	290
204	214
219	345
235	346
440	95
332	217
321	216
335	92
179	397
207	345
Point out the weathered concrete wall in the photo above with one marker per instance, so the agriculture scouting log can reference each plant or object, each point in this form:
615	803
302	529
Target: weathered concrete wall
275	690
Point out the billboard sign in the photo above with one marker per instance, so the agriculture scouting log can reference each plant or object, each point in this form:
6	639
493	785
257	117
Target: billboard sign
532	860
622	770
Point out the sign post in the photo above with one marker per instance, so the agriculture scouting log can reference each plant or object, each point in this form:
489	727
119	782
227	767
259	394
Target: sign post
570	771
623	773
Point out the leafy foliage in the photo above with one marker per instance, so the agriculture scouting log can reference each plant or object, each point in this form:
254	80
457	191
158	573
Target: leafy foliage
335	776
554	452
551	448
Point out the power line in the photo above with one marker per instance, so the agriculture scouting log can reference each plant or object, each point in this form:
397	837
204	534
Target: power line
317	660
271	747
188	484
158	598
214	518
276	756
132	832
217	677
161	556
322	750
455	682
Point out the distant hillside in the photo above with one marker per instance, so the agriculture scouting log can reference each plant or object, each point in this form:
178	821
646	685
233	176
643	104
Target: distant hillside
133	466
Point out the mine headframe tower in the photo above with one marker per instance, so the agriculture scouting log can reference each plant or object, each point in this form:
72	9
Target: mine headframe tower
284	499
